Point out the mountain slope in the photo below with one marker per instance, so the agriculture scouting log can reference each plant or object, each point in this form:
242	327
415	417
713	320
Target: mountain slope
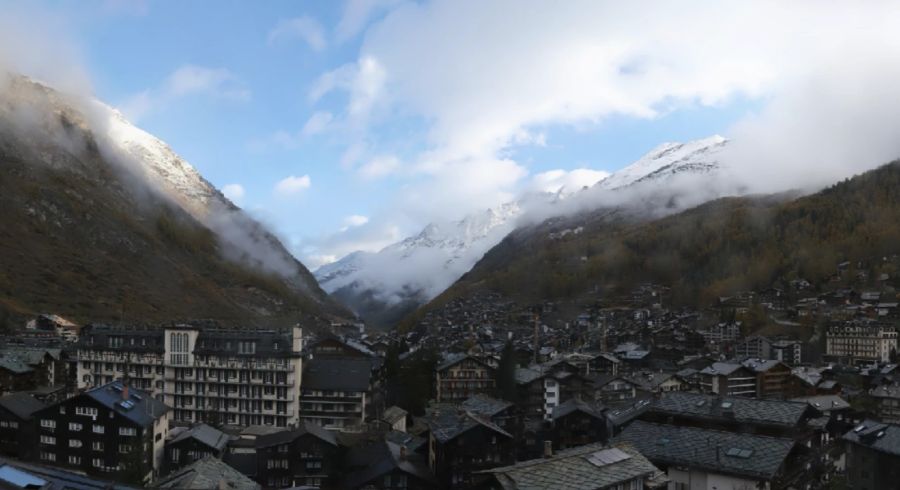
102	221
715	249
422	266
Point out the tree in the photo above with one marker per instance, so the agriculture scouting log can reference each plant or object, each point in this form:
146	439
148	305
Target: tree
135	464
506	374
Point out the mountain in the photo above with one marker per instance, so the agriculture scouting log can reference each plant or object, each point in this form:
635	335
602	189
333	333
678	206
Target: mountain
104	222
718	248
382	287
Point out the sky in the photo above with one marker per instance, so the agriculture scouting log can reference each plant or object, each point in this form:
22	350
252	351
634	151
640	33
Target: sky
348	125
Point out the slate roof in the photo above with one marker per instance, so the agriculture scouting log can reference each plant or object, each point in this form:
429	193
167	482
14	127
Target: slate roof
746	410
21	405
572	469
760	365
337	374
14	473
723	368
824	403
867	434
207	473
745	455
576	405
527	375
393	414
412	442
886	391
485	405
145	410
445	425
205	434
456	359
381	458
288	436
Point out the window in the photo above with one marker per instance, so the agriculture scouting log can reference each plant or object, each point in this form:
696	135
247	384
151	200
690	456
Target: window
75	443
88	411
175	454
127	431
74	460
99	429
97	462
45	456
49	440
97	446
75	427
48	424
124	448
62	410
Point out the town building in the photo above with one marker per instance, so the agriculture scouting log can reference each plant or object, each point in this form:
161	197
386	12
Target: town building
206	374
771	377
109	430
306	456
186	445
873	456
205	474
17	430
462	443
460	377
730	379
589	467
385	465
336	393
861	342
887	398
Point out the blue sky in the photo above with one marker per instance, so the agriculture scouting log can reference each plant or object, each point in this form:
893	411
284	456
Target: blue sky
349	125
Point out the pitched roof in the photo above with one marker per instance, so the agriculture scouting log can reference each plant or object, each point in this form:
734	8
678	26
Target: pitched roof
880	437
205	474
527	375
21	405
142	409
288	436
456	359
746	410
824	403
724	368
16	474
393	414
446	425
745	455
577	405
205	434
337	374
381	458
485	405
588	467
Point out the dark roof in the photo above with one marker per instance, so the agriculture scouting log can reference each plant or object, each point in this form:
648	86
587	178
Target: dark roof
207	473
288	436
446	425
587	467
381	458
745	455
485	405
143	410
576	405
337	374
878	436
205	434
721	368
412	442
393	414
16	474
21	405
456	359
746	410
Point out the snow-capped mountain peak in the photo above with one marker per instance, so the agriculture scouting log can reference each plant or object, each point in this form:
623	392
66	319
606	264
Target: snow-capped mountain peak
665	158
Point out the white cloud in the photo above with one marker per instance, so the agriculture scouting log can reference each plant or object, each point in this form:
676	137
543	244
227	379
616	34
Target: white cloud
292	185
378	167
357	13
305	27
363	80
234	192
355	220
566	180
317	123
186	81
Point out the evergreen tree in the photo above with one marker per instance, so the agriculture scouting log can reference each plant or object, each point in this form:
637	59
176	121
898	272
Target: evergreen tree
506	374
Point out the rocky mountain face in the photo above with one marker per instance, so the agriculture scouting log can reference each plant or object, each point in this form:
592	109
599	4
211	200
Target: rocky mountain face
382	287
105	222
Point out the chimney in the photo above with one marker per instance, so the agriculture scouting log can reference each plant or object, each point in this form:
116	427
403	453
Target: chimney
125	389
402	453
548	449
718	450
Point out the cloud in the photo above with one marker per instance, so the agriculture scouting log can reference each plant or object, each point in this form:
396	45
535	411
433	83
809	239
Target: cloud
357	13
292	185
368	237
379	167
317	123
187	80
355	220
305	28
234	192
363	80
566	180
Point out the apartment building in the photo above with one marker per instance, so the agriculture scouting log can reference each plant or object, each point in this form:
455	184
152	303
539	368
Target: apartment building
861	342
206	374
728	379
